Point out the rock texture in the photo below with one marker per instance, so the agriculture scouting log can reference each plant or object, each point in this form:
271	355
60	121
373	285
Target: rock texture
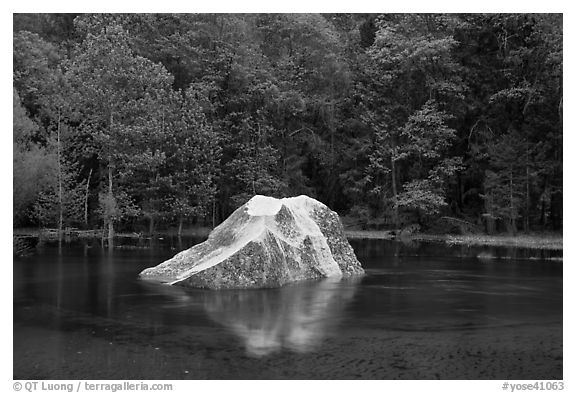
265	243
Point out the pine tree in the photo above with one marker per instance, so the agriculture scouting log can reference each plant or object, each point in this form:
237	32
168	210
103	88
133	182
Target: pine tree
116	94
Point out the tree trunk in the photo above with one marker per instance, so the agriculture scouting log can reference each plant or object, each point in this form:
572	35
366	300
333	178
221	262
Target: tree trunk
542	214
527	214
151	227
489	217
556	194
460	193
180	223
512	227
331	148
556	207
214	213
556	198
543	205
511	204
110	193
394	192
110	220
333	181
86	199
60	204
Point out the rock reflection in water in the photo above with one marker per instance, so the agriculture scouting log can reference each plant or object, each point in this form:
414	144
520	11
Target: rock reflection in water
295	317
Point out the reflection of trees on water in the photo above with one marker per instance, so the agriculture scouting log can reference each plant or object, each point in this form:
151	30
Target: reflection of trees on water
295	317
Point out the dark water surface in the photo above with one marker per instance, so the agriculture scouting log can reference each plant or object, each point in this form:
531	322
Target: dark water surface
423	311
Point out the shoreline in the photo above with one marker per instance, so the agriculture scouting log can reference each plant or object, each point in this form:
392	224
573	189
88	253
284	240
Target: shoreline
545	241
540	241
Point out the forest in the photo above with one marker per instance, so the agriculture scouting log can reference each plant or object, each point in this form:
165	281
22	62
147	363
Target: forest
143	122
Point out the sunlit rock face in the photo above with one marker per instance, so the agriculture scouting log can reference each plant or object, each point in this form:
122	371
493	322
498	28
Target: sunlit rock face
265	243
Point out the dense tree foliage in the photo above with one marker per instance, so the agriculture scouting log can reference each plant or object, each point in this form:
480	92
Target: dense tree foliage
135	121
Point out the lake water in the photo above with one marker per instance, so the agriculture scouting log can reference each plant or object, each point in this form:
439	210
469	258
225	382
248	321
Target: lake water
422	311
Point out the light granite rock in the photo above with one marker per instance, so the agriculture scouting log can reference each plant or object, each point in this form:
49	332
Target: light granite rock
265	243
